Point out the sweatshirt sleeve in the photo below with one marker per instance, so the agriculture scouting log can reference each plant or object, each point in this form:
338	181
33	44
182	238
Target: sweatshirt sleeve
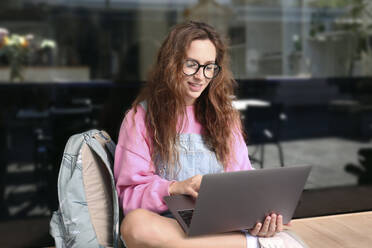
136	182
240	160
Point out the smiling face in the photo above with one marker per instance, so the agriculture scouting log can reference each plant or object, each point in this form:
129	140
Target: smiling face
203	52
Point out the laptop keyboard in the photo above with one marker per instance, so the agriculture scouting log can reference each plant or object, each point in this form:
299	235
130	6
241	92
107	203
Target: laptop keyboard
186	215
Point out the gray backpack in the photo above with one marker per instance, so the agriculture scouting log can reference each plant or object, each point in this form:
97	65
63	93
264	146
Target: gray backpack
88	214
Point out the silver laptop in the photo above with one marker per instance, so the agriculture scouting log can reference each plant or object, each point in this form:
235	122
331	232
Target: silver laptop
234	201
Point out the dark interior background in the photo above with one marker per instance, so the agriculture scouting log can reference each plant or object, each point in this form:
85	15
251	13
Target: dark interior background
316	115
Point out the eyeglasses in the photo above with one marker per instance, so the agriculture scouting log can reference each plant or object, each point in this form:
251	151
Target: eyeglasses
191	67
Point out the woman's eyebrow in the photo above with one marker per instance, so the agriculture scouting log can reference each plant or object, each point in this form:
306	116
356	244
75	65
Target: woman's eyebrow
207	62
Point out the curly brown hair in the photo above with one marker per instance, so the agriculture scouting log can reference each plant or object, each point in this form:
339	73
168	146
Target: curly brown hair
164	94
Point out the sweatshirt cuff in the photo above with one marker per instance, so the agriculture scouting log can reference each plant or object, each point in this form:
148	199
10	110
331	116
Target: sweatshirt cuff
163	187
163	191
166	189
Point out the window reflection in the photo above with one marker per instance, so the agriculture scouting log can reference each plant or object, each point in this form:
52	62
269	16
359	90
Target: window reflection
268	38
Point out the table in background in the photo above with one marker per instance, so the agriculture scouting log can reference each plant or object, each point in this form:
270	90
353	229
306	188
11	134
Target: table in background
344	230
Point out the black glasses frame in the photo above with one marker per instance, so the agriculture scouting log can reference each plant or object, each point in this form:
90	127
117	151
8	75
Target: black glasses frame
204	66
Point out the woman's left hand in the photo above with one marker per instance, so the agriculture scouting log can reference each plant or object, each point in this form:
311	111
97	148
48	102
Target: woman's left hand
272	224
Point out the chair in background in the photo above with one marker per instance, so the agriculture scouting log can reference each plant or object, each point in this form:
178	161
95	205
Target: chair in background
263	126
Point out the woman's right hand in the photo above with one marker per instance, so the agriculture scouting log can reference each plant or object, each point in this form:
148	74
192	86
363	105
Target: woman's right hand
189	186
271	225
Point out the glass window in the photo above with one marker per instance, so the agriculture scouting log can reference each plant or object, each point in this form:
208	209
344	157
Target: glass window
303	67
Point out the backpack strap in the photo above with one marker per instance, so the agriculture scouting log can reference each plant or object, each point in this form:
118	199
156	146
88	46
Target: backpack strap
105	139
57	229
97	147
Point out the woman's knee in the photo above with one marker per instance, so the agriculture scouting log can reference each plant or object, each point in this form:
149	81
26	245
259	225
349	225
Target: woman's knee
139	229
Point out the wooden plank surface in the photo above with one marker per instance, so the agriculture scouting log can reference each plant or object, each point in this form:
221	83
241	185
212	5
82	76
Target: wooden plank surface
344	230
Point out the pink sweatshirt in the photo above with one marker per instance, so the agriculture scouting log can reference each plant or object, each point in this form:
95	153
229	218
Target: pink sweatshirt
136	182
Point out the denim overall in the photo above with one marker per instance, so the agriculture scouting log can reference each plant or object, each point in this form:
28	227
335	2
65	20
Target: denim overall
194	158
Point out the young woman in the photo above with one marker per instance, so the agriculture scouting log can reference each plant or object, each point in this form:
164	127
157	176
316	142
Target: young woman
181	126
